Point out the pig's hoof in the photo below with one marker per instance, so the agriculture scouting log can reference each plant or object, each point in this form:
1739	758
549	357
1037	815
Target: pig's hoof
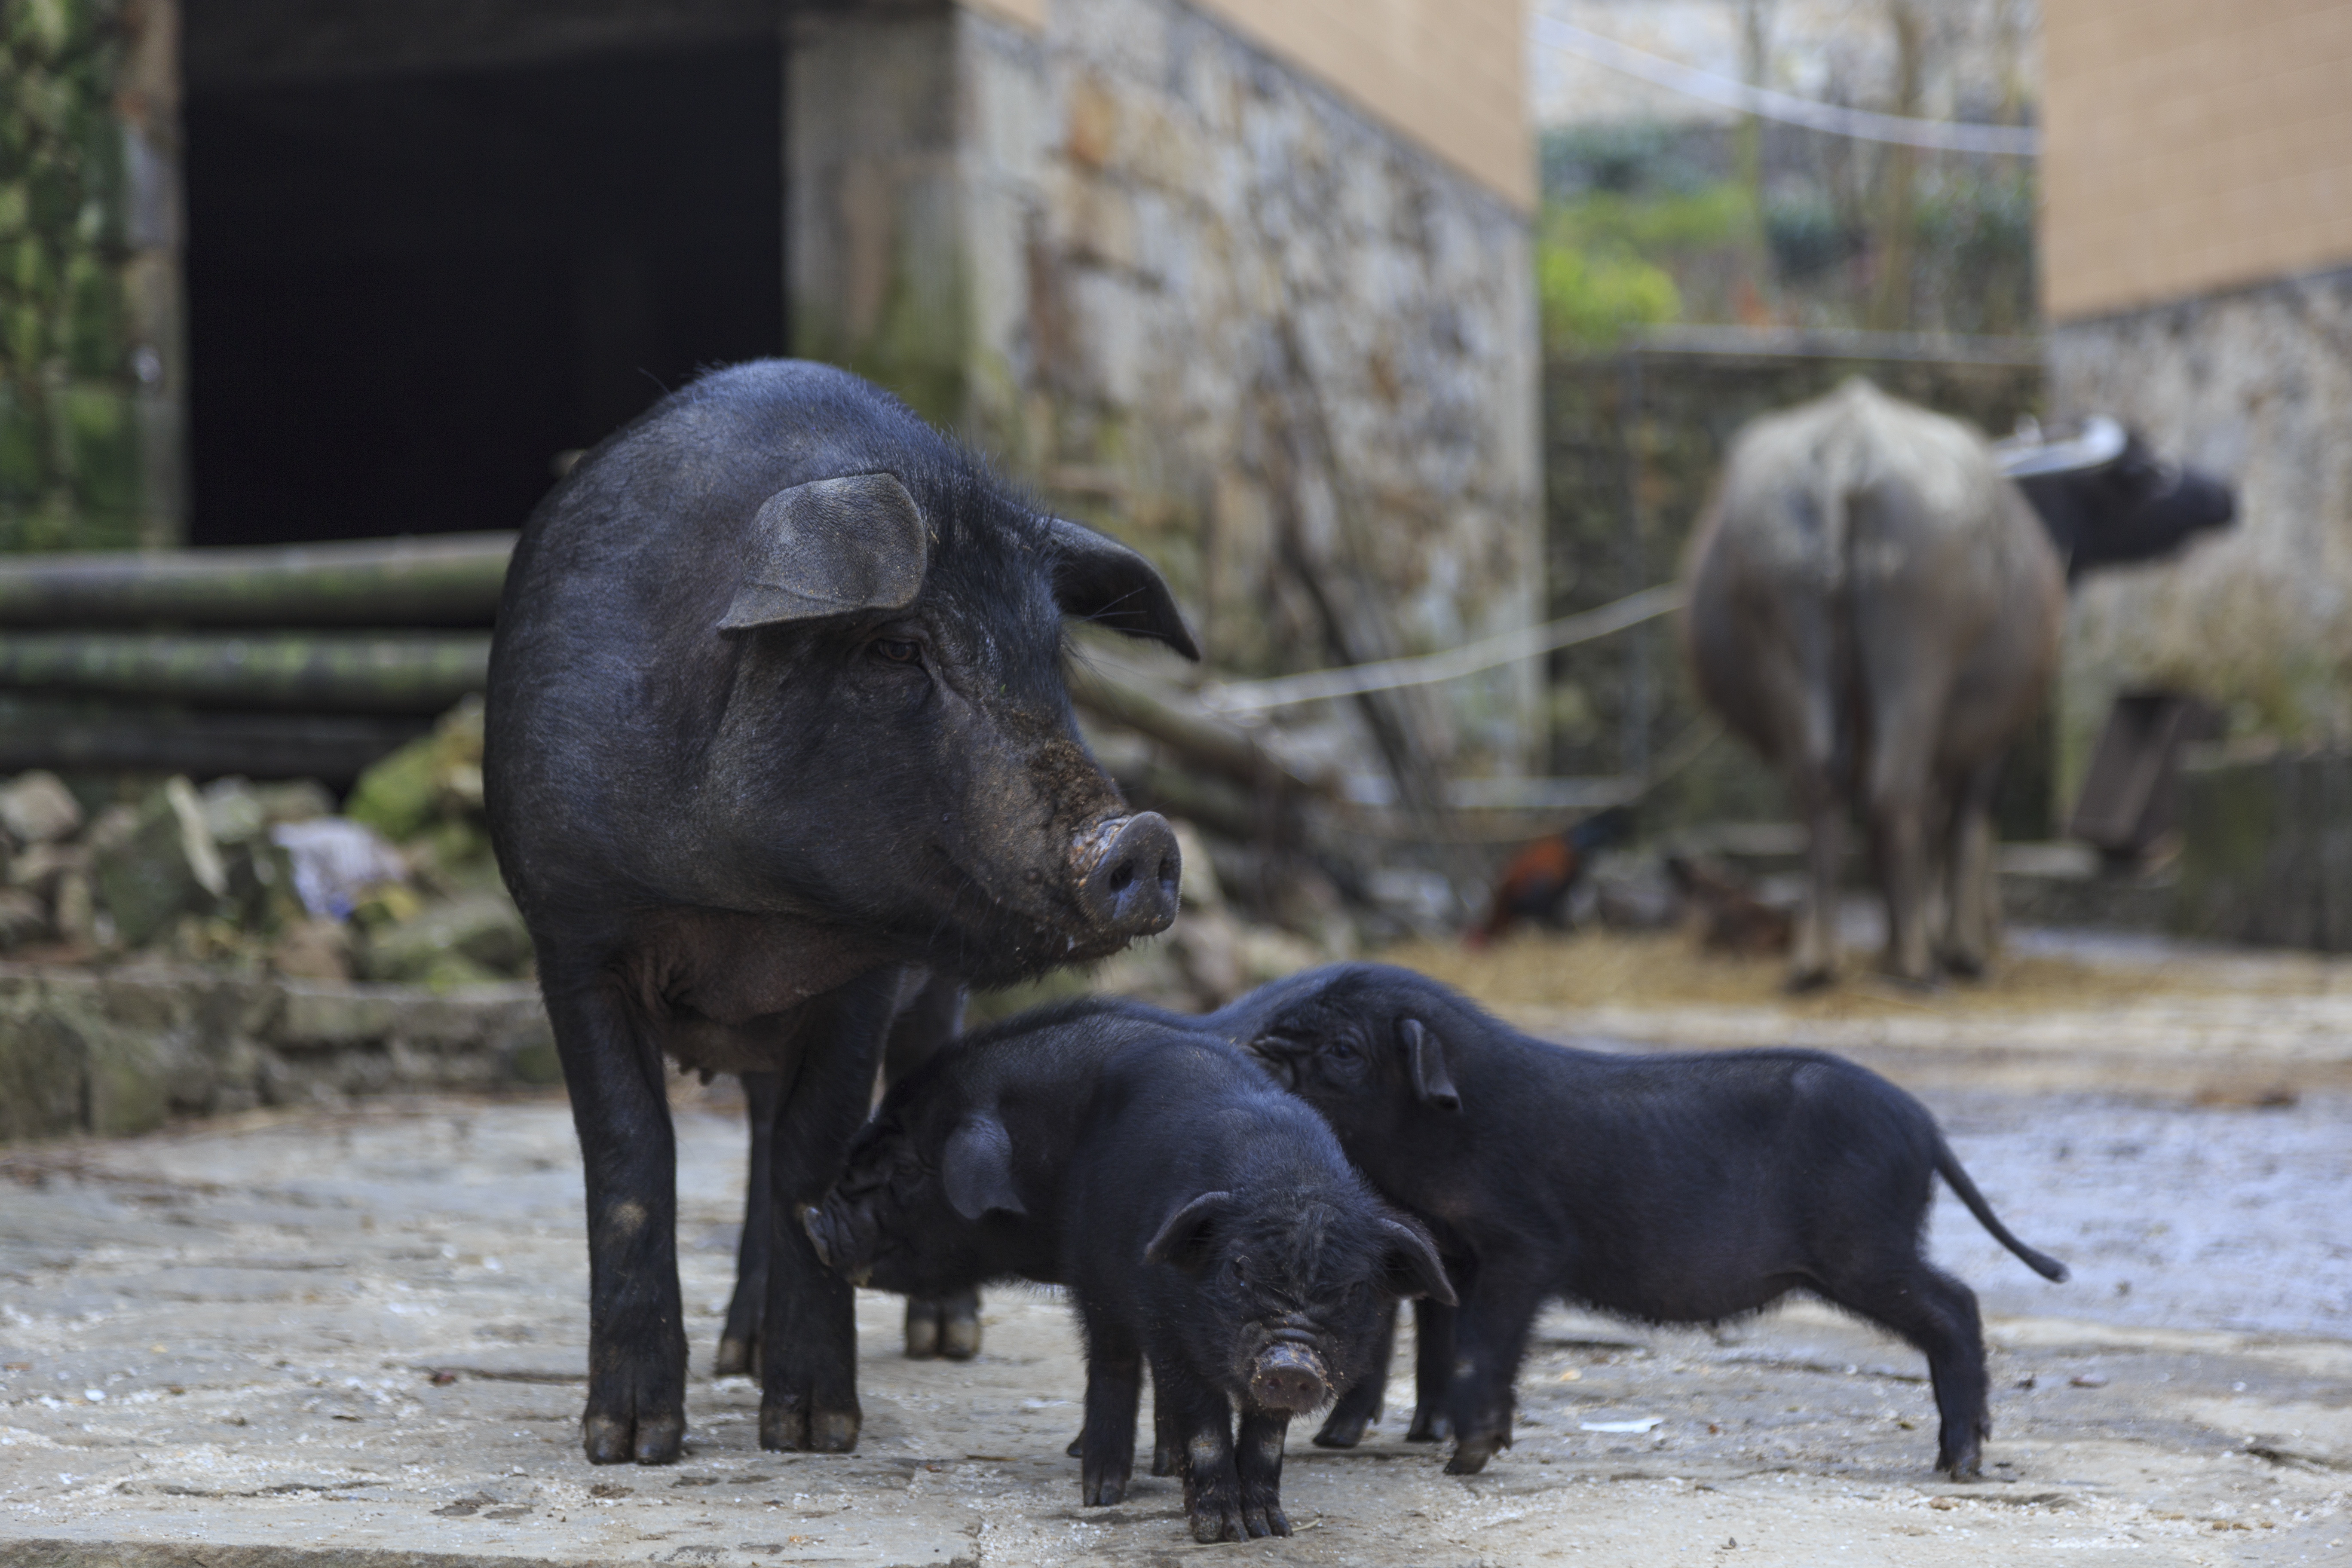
922	1329
796	1427
959	1336
1103	1491
1265	1519
1470	1455
735	1358
1213	1522
1428	1427
1341	1432
1964	1466
647	1440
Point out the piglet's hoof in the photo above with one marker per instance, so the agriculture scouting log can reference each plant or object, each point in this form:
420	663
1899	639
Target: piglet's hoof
790	1428
1341	1432
1470	1455
959	1330
922	1329
647	1441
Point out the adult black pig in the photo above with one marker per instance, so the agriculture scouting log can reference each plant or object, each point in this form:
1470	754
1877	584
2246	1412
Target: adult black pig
1678	1189
776	712
1204	1222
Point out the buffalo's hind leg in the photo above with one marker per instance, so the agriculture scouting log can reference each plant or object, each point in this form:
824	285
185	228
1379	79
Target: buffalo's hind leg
808	1334
1937	1314
636	1339
739	1341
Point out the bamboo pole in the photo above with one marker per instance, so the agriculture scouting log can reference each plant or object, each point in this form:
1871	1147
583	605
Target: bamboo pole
446	580
385	672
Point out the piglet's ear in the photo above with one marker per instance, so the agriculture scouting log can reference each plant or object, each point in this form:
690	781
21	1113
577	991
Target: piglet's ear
831	547
1413	1266
1183	1241
1098	579
1424	1058
1275	1054
977	1168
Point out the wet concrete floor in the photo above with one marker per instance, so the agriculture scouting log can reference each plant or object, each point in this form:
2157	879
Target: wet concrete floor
355	1338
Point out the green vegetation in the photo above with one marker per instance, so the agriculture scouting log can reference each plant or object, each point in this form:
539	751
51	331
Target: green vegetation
70	459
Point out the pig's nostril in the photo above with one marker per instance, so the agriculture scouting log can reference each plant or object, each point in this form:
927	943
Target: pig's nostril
1118	890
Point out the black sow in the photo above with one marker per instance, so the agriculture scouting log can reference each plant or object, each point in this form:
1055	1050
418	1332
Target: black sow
1678	1189
777	715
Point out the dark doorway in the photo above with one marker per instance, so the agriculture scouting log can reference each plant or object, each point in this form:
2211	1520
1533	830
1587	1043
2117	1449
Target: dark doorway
409	293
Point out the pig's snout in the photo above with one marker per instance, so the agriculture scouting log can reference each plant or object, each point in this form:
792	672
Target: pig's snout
1130	889
1288	1376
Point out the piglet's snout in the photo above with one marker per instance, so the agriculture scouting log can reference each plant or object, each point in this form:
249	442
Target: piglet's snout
1130	868
1289	1376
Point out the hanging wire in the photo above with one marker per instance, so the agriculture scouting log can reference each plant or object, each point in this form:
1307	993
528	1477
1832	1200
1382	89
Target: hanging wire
1939	135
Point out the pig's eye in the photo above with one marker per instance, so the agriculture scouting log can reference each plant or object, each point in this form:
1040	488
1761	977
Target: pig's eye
897	650
1340	1051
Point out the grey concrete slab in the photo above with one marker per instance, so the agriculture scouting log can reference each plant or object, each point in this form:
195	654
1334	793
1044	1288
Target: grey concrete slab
355	1340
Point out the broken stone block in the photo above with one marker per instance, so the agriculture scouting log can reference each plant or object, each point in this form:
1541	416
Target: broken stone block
23	918
313	949
37	808
73	909
434	777
165	865
471	937
38	869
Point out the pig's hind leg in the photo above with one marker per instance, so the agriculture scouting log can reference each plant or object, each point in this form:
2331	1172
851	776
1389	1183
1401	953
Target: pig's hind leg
1938	1314
1490	1336
1360	1406
808	1333
1106	1443
636	1342
739	1341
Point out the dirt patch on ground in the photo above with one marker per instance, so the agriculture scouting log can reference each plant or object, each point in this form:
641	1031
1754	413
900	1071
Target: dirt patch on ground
1616	969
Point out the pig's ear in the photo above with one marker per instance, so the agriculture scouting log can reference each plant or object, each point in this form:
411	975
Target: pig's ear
1183	1241
1424	1059
1413	1266
831	547
977	1169
1098	579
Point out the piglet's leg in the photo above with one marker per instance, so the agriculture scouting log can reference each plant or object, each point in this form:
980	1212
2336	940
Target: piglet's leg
739	1341
1257	1466
1167	1440
1114	1387
1360	1406
1490	1335
1202	1417
1938	1314
808	1334
1432	1370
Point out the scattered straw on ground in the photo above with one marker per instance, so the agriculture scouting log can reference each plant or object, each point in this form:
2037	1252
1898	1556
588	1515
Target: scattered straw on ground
1614	969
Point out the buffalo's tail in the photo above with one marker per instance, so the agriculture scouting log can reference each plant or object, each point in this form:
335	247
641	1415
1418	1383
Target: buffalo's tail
1947	1165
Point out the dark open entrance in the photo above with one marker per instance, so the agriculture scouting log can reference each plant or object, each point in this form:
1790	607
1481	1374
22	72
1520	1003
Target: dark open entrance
408	292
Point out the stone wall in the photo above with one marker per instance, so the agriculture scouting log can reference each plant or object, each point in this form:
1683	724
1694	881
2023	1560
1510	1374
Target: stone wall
2256	385
1193	296
121	1051
89	282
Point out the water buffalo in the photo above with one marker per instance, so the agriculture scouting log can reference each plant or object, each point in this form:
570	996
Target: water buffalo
777	729
1876	610
2106	500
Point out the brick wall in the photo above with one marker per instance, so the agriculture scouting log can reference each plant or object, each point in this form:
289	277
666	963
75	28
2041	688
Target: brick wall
2192	146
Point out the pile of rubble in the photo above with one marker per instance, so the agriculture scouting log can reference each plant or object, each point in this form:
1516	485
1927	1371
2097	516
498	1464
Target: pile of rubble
268	878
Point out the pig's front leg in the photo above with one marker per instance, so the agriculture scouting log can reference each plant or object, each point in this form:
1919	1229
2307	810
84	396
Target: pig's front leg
1490	1335
1257	1466
1360	1406
739	1341
637	1335
1201	1416
1114	1385
1432	1370
808	1334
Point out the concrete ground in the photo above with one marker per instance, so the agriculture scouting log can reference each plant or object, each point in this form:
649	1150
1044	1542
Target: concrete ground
355	1338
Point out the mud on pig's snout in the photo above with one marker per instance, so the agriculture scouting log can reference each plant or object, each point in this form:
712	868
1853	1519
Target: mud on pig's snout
1286	1375
1130	869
